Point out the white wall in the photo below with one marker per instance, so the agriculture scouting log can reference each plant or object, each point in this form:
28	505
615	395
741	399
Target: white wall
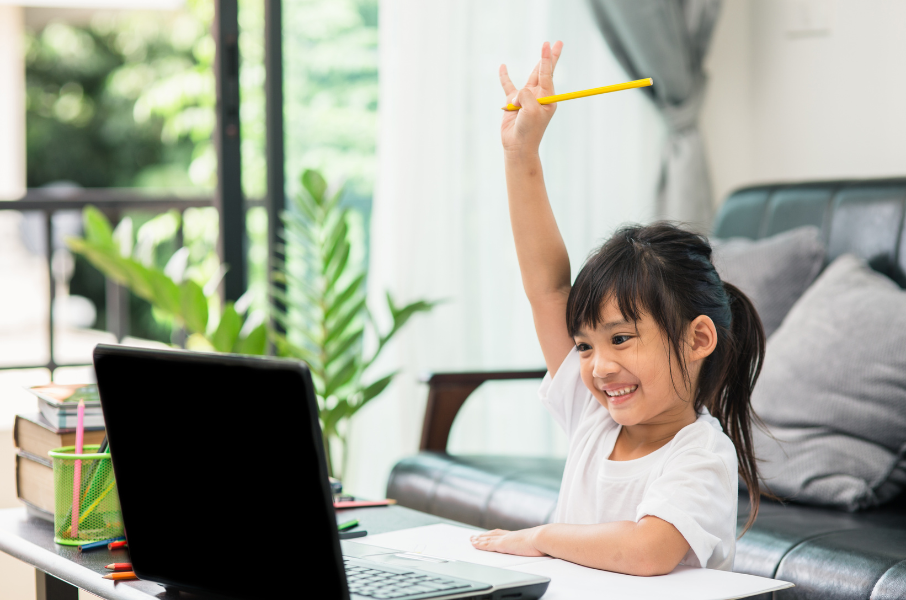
805	90
12	102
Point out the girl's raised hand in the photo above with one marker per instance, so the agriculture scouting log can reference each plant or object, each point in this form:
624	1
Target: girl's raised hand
522	130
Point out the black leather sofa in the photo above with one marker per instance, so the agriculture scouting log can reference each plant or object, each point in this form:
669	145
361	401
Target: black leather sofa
828	554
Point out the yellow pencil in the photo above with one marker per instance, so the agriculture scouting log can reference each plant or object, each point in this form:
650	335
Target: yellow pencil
592	92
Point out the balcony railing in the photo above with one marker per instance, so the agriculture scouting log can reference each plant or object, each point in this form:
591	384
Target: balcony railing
114	203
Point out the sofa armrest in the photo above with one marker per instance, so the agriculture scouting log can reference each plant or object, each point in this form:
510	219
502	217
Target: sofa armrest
447	392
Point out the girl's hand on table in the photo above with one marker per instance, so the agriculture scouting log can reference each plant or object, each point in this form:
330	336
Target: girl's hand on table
522	130
507	542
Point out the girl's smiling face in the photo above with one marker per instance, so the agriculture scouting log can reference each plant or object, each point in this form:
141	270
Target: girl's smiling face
627	367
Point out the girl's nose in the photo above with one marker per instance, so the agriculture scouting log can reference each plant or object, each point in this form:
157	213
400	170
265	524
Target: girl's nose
604	368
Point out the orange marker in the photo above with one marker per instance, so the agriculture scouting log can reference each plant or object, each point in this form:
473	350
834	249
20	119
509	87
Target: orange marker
117	544
121	576
119	566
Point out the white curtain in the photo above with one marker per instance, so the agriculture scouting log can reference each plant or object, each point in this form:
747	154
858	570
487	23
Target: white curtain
440	227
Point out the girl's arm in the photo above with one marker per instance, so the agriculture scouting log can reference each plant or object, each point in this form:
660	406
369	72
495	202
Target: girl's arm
650	547
542	256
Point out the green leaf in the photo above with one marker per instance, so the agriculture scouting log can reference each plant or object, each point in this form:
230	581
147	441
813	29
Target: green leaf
300	235
287	349
138	279
334	415
194	307
254	343
339	327
343	297
166	294
343	376
373	390
400	317
334	201
336	271
298	325
107	260
335	239
97	228
315	184
227	331
404	314
305	214
343	346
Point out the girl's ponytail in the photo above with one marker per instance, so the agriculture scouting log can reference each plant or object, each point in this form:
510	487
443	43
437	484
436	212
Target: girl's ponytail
744	360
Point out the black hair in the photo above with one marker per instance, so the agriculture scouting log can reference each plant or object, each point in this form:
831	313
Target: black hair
666	272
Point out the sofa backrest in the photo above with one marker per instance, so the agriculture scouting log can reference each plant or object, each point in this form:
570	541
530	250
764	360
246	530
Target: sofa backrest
861	217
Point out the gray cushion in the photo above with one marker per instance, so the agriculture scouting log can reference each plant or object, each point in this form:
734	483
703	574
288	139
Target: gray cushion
773	272
833	392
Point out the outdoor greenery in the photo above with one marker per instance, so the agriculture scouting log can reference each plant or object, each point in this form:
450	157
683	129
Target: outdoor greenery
324	310
93	117
128	101
331	91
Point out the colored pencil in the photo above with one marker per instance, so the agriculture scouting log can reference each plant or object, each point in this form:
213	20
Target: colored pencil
97	501
347	525
95	465
121	576
349	535
117	545
362	503
119	566
100	544
77	476
592	92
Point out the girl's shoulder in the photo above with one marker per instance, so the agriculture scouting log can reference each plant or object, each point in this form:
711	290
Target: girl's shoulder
705	435
702	448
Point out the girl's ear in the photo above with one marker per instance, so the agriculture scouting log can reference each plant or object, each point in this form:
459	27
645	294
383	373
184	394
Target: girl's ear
703	338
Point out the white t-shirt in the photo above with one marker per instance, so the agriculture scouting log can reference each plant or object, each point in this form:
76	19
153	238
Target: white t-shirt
691	482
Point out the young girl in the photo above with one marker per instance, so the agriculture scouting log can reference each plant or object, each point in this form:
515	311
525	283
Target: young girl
651	362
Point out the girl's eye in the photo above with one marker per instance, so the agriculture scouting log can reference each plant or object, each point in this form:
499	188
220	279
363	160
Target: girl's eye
582	347
619	339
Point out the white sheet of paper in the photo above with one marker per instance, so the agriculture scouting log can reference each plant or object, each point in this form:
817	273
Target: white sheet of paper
445	541
568	580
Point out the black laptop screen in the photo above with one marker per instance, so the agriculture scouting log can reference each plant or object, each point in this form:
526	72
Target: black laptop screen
220	471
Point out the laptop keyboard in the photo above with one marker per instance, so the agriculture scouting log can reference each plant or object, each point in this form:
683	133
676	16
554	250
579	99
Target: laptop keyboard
372	581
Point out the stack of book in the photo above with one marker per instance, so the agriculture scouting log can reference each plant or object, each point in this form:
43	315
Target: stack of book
36	434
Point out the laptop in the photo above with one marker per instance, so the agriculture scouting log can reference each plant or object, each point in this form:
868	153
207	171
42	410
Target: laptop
223	486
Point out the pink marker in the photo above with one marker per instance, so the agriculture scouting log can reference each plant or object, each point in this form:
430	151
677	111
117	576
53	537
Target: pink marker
77	477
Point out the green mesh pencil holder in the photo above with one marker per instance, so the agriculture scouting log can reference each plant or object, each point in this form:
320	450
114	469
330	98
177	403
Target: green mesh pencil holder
97	504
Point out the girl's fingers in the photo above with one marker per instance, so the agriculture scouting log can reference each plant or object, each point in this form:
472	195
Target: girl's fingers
527	100
508	87
556	49
546	69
